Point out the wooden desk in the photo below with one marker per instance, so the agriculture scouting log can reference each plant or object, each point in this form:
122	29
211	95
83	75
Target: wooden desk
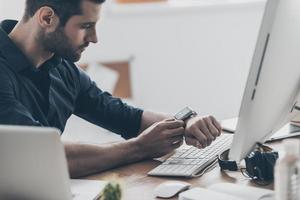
136	185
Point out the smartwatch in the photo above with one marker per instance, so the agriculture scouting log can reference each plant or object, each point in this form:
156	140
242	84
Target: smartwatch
185	113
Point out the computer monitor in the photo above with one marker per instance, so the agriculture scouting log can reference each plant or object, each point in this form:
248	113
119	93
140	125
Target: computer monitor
272	88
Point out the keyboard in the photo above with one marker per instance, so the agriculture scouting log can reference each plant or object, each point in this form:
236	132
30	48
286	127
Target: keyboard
189	161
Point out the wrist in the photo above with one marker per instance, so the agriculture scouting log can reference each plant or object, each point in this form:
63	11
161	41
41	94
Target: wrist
190	117
138	148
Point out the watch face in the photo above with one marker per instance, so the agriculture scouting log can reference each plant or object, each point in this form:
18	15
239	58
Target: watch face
184	113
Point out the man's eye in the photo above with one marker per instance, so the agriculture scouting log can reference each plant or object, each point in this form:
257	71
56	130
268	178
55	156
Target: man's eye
86	26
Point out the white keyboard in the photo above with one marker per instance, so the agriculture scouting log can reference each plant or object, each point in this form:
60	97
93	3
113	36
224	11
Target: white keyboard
189	161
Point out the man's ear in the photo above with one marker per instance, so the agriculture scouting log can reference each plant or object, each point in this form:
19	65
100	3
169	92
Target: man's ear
47	18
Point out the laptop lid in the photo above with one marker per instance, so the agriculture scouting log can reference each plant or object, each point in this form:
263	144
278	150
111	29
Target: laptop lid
33	164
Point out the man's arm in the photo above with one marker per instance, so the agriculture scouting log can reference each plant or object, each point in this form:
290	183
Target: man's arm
85	159
149	118
157	140
199	131
159	135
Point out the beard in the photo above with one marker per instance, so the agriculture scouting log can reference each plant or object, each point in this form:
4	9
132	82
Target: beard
58	43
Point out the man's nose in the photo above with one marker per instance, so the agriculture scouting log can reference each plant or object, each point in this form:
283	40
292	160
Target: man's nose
92	37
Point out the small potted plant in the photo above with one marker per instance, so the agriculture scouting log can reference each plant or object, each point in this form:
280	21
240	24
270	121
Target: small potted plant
112	191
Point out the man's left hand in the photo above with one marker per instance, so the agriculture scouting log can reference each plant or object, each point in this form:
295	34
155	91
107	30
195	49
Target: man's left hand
201	131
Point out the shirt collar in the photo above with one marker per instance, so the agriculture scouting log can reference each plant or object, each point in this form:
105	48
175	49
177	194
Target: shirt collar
14	56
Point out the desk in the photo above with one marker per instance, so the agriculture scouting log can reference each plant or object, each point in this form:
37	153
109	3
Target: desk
136	185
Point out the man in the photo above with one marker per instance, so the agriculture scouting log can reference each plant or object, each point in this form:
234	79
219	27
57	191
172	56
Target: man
41	86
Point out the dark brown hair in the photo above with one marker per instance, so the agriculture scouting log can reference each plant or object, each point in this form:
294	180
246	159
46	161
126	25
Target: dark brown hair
64	9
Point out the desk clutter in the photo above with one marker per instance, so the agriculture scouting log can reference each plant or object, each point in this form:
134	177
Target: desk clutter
286	174
259	164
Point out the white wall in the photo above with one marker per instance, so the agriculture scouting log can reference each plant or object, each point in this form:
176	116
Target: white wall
197	56
12	9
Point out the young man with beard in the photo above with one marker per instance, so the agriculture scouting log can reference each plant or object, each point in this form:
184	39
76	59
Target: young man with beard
41	86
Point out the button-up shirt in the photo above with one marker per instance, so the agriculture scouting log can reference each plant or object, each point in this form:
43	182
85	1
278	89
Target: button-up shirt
50	94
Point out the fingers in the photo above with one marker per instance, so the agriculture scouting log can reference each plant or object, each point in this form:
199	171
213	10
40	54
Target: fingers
204	130
199	132
170	124
172	143
177	144
176	139
194	142
213	130
201	139
216	124
174	132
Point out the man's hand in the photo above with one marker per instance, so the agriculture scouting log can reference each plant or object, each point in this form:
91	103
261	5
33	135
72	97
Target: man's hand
201	131
161	138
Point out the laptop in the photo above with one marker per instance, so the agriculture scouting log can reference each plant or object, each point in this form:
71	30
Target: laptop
33	166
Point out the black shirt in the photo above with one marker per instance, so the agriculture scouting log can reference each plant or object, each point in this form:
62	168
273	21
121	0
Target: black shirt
50	94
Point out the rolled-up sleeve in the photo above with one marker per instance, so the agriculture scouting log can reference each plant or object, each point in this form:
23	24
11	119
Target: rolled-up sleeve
102	109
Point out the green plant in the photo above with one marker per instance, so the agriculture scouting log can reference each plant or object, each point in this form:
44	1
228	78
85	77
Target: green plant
111	192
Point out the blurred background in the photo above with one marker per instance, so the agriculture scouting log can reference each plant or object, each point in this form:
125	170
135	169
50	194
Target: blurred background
163	55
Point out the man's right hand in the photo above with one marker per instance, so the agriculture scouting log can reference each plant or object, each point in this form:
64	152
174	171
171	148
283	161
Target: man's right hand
161	138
